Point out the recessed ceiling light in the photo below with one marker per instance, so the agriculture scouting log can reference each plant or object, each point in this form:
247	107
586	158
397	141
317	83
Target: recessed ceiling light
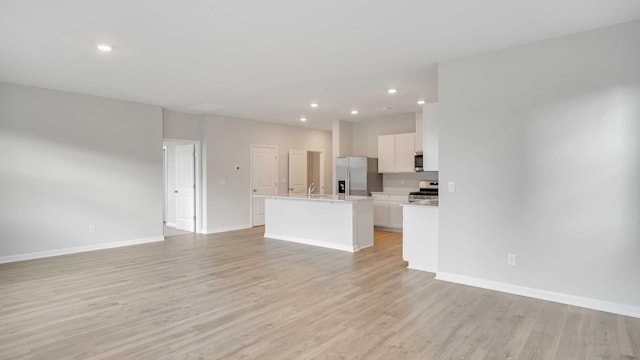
392	91
354	112
420	102
314	105
303	119
104	47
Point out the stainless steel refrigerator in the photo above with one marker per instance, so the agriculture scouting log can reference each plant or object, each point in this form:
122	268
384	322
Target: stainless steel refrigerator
357	175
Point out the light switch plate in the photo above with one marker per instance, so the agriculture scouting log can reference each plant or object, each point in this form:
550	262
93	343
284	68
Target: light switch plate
451	186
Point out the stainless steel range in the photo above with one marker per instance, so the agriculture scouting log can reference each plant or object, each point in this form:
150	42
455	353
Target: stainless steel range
428	191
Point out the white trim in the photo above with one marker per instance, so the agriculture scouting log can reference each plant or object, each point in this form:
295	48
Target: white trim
165	182
421	267
171	225
200	179
615	308
226	228
78	249
319	243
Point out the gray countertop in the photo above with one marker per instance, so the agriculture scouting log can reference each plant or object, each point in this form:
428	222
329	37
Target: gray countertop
422	203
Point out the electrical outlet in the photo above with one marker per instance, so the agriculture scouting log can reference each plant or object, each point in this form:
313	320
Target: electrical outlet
92	228
451	186
511	259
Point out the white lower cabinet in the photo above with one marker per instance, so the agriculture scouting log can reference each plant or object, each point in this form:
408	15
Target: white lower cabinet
395	210
387	211
420	237
381	213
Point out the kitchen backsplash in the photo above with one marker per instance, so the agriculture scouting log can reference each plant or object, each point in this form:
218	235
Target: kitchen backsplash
405	183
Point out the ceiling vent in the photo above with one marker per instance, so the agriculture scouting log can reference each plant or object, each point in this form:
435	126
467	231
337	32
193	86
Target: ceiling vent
207	107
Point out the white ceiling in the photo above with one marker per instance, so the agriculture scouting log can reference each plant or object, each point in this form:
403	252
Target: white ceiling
267	60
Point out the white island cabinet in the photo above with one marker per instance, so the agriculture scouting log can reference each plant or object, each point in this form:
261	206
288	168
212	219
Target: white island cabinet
331	221
420	236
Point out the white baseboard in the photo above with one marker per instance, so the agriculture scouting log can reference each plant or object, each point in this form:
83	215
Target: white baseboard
77	249
170	225
298	240
416	266
615	308
364	247
225	229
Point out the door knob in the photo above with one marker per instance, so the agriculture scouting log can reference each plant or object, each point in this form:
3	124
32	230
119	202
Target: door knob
175	191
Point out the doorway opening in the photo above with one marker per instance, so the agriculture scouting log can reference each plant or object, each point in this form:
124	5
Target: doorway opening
315	170
182	187
306	171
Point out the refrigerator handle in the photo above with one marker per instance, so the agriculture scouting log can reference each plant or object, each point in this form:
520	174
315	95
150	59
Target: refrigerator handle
348	189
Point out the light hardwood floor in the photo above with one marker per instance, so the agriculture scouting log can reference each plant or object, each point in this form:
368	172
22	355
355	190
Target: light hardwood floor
171	231
237	295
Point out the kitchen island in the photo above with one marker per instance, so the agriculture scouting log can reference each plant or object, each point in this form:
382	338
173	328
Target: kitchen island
420	235
332	221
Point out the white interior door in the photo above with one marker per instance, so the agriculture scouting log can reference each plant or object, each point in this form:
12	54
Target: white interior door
298	172
264	179
185	187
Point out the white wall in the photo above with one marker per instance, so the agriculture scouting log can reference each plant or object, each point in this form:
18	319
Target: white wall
341	134
227	142
406	183
346	134
181	125
543	143
71	161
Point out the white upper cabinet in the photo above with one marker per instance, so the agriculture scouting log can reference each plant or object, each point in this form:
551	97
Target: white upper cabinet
386	153
396	153
405	153
430	124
